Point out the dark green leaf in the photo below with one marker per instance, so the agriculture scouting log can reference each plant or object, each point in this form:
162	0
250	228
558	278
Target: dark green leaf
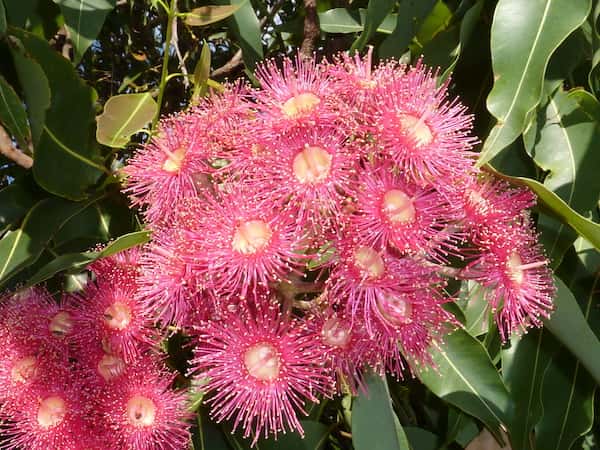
410	15
12	114
206	15
374	423
594	75
245	26
376	12
422	439
15	201
555	206
461	428
23	246
570	327
521	50
315	437
84	19
341	20
67	162
523	366
36	91
209	436
475	308
466	378
3	24
81	260
123	116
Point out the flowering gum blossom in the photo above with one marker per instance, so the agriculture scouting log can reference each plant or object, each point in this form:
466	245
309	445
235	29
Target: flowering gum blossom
417	128
117	316
335	333
251	237
513	268
174	159
51	412
369	262
262	362
300	104
61	324
24	369
395	309
110	367
141	411
397	206
312	165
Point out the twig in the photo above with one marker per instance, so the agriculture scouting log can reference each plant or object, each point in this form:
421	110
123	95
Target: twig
175	43
171	18
311	28
11	152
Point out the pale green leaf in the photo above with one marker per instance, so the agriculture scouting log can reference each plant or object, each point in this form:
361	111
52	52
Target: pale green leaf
341	20
205	15
377	10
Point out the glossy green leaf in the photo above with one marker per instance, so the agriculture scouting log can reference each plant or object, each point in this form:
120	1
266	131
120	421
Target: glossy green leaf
244	24
36	91
475	308
201	74
67	161
461	427
15	201
376	12
123	116
341	20
374	423
408	20
3	24
434	24
556	207
12	114
568	324
524	36
466	378
594	75
84	20
523	366
78	261
205	15
422	439
565	146
24	245
315	437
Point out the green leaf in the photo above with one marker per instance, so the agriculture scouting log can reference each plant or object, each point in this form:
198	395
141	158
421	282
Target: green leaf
466	378
79	261
341	20
12	114
67	161
207	435
201	74
246	27
376	12
374	423
3	24
565	147
556	207
22	247
594	75
461	428
523	366
315	437
15	201
524	36
569	325
206	15
36	91
123	116
408	20
475	308
435	23
422	439
84	20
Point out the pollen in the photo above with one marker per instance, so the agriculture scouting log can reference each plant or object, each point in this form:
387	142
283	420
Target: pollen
398	207
312	165
117	316
51	412
174	160
369	262
262	362
141	411
251	237
416	128
300	104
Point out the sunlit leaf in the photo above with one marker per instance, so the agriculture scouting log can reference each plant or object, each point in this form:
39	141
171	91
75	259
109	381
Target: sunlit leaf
201	74
342	20
376	12
206	15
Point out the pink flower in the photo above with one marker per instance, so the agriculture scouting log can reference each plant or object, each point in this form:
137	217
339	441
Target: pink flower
142	412
426	136
513	267
121	265
111	314
242	244
260	369
391	210
164	171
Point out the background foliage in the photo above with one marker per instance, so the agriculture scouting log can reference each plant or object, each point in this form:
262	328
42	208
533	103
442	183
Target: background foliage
83	82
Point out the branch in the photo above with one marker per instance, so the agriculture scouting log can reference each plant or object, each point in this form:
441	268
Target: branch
11	152
311	28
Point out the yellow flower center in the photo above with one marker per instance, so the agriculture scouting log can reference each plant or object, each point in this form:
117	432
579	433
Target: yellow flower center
417	128
262	362
312	165
369	262
117	316
141	411
300	104
24	369
51	412
251	237
61	324
398	207
174	160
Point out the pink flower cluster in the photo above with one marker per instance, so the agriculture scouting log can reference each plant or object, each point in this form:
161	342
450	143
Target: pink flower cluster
303	234
81	374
